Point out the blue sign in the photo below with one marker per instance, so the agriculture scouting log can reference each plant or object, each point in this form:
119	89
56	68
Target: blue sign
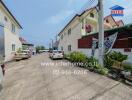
117	11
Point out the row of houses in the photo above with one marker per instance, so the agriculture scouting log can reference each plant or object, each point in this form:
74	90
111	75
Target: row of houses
10	40
79	33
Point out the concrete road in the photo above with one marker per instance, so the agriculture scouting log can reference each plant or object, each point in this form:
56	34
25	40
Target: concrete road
34	79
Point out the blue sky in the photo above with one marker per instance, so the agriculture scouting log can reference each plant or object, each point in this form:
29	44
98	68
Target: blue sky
43	19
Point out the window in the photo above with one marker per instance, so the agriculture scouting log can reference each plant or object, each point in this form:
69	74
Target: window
69	31
65	33
88	28
13	28
62	36
107	21
69	47
92	15
13	47
5	18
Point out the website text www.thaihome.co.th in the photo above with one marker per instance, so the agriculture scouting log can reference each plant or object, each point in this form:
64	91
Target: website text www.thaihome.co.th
68	64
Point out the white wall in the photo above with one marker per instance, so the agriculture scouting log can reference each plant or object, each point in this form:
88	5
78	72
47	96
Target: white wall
88	52
9	22
11	38
71	39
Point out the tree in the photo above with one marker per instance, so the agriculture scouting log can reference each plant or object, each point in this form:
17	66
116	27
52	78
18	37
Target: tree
38	48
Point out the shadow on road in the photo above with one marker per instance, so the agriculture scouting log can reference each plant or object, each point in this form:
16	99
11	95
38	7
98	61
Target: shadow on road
1	87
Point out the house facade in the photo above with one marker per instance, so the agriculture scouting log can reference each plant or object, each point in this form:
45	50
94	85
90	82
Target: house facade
82	24
11	29
27	46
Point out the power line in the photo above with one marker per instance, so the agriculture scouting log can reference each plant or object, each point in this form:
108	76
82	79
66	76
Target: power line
87	5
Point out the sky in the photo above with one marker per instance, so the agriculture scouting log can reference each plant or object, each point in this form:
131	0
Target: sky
42	20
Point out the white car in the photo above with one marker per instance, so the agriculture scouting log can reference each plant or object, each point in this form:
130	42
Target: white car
56	54
25	54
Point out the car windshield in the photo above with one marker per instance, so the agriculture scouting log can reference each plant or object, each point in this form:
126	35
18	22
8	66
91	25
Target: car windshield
57	51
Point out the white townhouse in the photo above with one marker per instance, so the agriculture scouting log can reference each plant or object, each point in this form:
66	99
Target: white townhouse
10	28
83	24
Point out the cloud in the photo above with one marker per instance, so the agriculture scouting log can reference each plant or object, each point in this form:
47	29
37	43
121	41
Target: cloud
55	19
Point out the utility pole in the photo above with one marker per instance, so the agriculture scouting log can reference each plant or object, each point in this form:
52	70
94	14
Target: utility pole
52	42
56	45
56	37
49	45
101	32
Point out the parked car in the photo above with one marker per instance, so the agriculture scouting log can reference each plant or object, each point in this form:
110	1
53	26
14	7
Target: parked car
2	72
46	50
56	54
25	54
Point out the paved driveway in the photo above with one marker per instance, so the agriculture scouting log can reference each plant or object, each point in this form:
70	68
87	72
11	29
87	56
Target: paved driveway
34	79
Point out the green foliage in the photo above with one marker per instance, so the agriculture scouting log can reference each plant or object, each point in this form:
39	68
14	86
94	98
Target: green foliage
108	62
38	48
118	56
103	71
77	57
127	67
92	62
114	57
94	65
24	47
19	50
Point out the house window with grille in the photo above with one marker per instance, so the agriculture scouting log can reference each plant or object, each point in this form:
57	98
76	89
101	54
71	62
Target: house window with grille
69	47
13	28
13	47
107	21
5	18
88	28
92	15
69	31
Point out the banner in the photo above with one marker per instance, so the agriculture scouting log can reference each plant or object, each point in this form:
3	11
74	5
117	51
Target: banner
108	43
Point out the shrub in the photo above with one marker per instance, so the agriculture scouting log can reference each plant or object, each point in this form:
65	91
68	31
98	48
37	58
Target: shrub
77	57
92	62
114	58
118	56
103	71
127	67
108	62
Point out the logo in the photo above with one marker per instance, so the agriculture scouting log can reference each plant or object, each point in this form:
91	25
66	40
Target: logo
117	11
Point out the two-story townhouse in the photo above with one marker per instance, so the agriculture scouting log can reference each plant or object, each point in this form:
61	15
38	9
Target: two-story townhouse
10	28
82	24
